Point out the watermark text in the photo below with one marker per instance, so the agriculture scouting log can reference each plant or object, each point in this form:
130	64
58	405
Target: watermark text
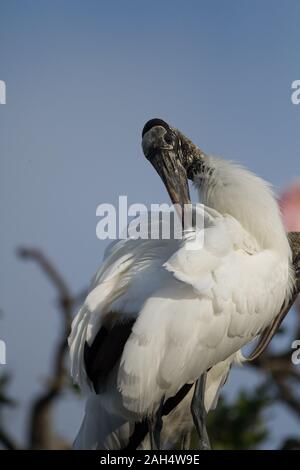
2	353
295	97
2	92
296	353
159	222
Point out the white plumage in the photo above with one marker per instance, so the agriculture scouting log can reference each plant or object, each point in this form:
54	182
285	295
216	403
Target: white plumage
193	308
102	428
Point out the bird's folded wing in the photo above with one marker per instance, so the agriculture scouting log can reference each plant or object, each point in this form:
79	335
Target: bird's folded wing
220	297
131	271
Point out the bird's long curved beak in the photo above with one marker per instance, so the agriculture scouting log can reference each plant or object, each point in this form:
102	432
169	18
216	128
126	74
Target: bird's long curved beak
173	176
160	145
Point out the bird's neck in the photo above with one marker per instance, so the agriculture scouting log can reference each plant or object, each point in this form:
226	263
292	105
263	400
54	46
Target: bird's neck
231	189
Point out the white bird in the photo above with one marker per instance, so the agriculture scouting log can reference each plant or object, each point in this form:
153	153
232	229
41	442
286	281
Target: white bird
103	429
160	316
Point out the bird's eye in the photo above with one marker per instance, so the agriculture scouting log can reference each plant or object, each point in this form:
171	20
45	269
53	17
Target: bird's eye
168	138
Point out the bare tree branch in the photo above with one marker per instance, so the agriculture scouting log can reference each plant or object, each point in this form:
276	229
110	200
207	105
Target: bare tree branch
41	434
51	272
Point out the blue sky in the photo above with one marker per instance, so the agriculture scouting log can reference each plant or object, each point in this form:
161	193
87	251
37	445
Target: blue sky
82	78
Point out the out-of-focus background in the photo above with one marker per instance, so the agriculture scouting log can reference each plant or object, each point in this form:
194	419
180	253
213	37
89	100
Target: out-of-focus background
82	78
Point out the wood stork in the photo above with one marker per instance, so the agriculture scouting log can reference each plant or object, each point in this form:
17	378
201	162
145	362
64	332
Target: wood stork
160	316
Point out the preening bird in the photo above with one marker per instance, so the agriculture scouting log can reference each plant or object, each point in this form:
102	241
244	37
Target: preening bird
162	318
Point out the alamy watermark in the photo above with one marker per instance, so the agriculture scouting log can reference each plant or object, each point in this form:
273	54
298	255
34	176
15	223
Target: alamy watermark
2	352
296	353
295	97
2	92
2	343
160	221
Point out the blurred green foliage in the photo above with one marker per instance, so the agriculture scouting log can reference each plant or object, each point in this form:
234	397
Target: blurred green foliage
241	424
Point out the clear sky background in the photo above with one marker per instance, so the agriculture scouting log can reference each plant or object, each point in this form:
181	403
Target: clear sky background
82	78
